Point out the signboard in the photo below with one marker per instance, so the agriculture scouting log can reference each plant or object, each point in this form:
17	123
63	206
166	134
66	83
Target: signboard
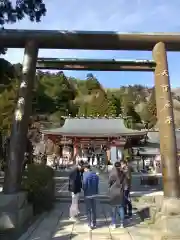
66	141
118	143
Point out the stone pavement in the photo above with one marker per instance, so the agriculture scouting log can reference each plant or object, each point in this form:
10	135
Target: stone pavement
57	226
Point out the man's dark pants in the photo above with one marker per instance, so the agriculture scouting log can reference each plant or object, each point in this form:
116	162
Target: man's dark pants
128	204
90	204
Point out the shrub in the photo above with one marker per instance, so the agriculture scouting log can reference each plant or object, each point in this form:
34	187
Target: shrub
39	183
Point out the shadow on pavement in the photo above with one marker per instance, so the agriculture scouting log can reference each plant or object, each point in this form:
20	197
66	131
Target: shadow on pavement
65	237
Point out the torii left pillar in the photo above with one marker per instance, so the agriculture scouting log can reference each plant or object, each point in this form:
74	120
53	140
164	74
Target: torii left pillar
18	139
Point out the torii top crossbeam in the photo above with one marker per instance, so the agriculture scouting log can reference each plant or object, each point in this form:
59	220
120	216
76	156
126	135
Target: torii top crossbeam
51	39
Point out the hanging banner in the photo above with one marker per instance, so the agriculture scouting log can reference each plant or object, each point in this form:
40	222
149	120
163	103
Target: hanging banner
113	152
120	154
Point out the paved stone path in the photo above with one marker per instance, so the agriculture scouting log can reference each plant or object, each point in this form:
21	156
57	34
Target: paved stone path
57	226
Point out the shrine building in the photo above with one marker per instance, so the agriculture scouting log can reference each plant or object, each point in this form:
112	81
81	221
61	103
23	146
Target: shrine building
84	135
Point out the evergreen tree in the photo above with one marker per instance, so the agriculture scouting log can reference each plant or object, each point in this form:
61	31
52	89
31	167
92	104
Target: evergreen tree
83	109
130	112
99	104
7	72
112	110
114	104
152	103
92	83
55	92
149	112
8	99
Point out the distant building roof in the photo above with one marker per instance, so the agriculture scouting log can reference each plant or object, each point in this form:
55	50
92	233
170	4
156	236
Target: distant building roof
153	137
148	151
153	145
99	127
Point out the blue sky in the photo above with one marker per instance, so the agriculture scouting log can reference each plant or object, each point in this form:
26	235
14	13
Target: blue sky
104	15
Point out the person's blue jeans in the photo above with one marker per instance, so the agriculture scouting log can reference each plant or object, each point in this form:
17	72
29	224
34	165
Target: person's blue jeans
128	204
117	210
90	204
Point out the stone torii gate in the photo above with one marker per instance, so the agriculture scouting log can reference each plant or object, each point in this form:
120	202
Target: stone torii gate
162	88
157	43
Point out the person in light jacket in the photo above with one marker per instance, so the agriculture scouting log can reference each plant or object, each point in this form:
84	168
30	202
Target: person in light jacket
117	182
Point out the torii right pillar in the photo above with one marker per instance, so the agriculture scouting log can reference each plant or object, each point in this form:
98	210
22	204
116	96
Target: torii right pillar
170	167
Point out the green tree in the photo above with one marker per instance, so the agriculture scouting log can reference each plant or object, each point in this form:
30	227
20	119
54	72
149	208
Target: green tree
8	99
112	110
42	103
7	72
99	104
152	103
55	93
131	116
13	12
114	104
128	99
92	83
149	112
83	109
130	112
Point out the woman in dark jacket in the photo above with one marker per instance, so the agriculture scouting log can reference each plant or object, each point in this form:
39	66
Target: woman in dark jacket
75	180
75	185
117	182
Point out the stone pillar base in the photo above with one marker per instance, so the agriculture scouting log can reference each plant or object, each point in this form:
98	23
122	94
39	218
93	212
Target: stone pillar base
14	211
168	219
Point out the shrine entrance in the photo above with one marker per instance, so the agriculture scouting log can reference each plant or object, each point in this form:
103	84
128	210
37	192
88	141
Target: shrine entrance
34	40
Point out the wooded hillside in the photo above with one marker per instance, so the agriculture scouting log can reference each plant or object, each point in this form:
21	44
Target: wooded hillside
56	96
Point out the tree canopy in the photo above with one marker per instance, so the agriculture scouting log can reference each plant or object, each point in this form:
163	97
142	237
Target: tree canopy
12	11
56	96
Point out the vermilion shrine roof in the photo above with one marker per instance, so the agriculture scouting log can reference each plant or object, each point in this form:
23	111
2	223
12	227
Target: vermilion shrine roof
94	127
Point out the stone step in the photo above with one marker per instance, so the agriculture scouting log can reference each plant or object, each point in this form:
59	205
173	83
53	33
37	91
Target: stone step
102	199
65	198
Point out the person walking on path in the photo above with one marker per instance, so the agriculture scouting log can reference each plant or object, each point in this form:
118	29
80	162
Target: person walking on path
75	186
128	205
117	181
91	189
